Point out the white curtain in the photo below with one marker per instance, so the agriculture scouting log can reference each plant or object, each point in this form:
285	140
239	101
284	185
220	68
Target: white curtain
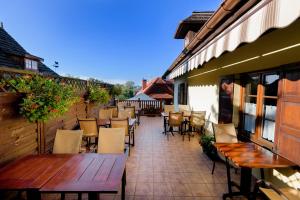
269	126
250	110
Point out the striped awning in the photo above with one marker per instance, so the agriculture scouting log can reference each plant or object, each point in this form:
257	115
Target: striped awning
266	15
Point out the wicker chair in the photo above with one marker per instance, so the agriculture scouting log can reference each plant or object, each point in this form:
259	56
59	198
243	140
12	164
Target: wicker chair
105	114
114	110
123	123
169	108
196	122
131	110
90	130
123	114
111	140
224	133
175	120
67	141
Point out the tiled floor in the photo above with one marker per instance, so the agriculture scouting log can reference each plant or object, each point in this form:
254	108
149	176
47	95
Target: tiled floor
174	169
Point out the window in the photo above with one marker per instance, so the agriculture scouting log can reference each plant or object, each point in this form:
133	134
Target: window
182	94
31	64
260	103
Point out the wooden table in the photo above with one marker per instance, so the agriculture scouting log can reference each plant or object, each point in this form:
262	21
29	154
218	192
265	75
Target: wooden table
248	156
91	173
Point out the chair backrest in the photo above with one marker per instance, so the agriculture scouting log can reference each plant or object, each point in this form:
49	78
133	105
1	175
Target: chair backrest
130	109
120	123
136	105
225	133
67	141
197	119
114	110
121	105
175	118
124	114
111	140
186	109
88	126
169	108
105	113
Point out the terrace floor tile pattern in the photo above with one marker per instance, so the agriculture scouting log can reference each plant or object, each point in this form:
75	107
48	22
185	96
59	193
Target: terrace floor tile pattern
162	169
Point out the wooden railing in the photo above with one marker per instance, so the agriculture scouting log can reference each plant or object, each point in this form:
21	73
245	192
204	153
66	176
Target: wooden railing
147	106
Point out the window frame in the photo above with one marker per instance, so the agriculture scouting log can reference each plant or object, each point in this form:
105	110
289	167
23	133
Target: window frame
257	136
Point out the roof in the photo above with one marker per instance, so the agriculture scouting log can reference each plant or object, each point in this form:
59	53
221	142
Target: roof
192	23
10	47
158	88
228	12
162	96
141	96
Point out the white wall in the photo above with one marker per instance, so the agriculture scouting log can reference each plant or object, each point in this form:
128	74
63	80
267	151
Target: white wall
205	98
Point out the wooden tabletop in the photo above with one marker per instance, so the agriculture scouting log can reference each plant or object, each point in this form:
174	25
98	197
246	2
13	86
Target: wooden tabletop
73	172
251	155
103	122
31	172
89	173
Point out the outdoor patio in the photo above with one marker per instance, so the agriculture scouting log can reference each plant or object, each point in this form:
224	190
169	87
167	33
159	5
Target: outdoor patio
162	169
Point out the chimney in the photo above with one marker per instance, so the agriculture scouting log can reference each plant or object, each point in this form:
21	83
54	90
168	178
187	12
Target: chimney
1	25
144	84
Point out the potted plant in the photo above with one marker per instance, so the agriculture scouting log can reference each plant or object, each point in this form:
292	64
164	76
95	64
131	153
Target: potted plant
206	142
42	98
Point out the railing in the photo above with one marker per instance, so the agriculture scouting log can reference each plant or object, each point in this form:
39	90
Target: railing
147	106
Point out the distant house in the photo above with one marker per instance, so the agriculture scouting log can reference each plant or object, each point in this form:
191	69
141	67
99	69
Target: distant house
158	89
13	55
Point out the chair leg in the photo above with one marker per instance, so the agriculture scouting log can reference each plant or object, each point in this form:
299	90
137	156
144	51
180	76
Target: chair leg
133	138
213	169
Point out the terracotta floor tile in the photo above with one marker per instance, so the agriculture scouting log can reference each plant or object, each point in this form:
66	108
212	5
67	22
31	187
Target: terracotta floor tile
144	189
181	189
162	189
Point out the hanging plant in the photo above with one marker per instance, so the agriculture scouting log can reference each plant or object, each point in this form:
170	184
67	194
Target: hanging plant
97	95
44	98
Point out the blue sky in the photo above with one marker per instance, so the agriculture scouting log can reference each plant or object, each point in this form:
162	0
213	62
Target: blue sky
112	40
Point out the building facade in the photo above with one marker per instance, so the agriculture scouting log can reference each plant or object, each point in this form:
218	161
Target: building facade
243	66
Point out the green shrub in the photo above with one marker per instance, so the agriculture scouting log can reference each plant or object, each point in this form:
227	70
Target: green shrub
206	142
98	95
43	98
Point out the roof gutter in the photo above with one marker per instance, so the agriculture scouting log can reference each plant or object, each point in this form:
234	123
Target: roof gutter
226	8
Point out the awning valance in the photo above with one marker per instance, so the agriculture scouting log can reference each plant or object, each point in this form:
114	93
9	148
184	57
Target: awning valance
262	17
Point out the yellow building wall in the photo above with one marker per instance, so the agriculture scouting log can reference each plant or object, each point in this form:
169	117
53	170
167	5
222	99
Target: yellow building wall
272	50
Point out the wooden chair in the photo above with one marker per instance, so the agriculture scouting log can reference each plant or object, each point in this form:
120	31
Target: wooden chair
123	114
123	123
67	141
105	114
131	110
196	122
111	140
186	109
272	192
114	110
169	108
224	133
90	130
175	120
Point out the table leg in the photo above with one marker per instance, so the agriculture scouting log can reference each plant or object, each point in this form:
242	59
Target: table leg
92	195
33	194
123	185
245	184
165	126
228	176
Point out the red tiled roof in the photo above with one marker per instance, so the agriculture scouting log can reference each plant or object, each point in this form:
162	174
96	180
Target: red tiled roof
161	96
157	80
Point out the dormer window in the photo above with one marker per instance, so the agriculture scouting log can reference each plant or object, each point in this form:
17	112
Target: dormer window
31	64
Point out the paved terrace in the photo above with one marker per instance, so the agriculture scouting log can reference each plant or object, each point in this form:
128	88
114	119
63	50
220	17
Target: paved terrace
162	169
